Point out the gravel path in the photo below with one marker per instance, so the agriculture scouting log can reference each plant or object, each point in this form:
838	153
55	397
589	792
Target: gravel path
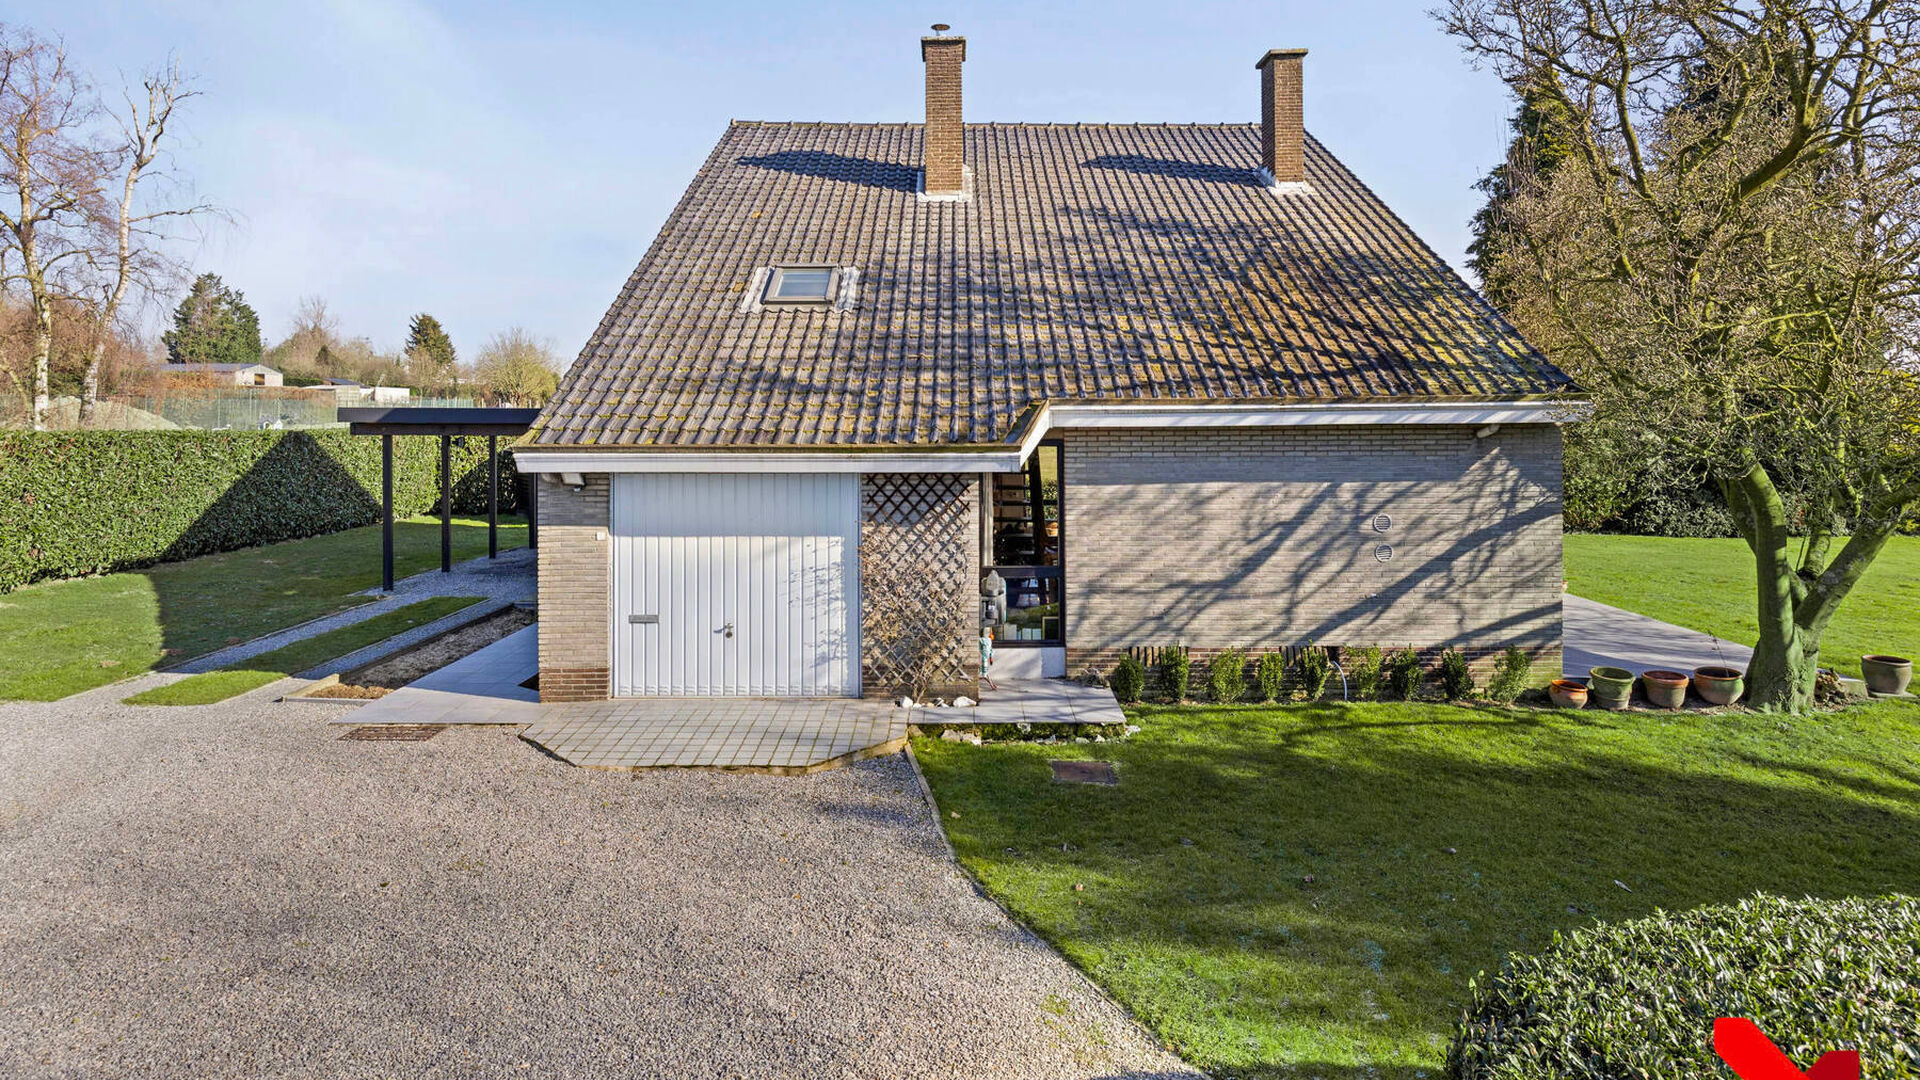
230	890
506	580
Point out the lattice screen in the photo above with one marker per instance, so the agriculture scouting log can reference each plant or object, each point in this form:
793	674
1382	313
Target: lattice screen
919	565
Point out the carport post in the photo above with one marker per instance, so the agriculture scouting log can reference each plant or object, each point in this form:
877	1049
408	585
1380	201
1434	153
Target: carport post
493	499
446	504
386	513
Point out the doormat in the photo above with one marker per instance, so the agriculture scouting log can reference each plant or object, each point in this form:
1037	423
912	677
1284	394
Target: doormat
392	733
1084	772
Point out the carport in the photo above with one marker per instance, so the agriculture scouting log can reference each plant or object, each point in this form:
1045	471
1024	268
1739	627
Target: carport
445	423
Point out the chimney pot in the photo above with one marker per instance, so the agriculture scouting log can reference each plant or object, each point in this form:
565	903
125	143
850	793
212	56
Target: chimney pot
942	160
1283	136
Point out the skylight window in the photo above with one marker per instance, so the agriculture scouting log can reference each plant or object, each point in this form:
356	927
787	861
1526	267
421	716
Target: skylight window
801	285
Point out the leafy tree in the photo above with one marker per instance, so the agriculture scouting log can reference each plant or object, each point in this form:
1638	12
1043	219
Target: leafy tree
213	325
516	367
430	354
1729	260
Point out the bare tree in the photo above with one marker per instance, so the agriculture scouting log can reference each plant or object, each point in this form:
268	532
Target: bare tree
1729	260
51	186
136	251
517	367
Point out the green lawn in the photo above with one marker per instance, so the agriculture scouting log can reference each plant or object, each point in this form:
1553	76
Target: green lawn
63	637
257	671
1708	585
1305	891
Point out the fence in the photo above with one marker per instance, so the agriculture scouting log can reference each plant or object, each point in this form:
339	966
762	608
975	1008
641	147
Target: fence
215	409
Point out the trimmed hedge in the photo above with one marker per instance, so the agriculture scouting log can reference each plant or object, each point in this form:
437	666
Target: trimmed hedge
84	502
1638	999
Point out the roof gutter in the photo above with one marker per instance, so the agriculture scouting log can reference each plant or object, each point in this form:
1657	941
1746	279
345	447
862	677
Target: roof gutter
1036	425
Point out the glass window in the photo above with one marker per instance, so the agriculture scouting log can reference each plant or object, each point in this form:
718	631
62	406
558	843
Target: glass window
803	284
1028	550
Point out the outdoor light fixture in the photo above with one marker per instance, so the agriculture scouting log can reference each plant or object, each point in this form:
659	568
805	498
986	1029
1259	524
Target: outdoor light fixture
574	480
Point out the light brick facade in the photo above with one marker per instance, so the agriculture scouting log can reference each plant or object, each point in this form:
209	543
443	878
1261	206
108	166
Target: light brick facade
919	585
576	593
1264	537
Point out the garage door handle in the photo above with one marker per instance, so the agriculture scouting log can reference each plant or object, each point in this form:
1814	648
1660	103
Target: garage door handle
728	629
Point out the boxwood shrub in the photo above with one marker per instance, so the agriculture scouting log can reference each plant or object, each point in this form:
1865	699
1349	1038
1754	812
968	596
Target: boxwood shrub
82	502
1638	999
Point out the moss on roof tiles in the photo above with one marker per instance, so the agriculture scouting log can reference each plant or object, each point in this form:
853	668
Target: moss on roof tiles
1094	262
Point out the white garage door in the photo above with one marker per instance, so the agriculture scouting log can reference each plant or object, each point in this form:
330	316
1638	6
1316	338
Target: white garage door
736	584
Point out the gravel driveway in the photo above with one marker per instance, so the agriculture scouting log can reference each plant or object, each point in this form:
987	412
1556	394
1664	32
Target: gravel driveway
233	891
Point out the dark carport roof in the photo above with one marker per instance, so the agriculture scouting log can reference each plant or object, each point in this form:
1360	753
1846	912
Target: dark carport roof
1093	263
437	421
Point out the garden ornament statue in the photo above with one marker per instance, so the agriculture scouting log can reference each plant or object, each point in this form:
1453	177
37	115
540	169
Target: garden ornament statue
986	655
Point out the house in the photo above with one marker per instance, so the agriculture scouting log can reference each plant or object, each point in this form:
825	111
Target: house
1164	384
223	374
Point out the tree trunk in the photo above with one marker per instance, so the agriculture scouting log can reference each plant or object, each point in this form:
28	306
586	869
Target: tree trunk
1787	656
42	362
90	385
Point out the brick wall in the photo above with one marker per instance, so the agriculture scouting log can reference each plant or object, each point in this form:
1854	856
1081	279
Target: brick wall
919	585
1260	538
1282	119
941	148
575	590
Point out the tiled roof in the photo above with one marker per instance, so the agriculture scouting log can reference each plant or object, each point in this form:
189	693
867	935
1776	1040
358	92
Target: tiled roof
1104	263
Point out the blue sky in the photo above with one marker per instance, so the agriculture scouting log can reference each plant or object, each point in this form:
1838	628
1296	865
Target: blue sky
504	164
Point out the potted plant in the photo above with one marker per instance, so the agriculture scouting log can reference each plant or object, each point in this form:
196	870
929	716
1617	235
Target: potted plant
1665	689
1612	686
1886	675
1719	685
1567	694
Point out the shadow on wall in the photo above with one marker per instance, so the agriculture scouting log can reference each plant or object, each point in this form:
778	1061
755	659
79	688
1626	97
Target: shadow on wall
1473	553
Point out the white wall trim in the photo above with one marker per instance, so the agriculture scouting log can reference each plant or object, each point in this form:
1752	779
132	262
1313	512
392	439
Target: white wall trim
1184	416
536	460
1053	418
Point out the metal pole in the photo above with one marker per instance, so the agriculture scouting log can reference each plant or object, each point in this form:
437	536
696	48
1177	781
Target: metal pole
493	499
386	513
446	504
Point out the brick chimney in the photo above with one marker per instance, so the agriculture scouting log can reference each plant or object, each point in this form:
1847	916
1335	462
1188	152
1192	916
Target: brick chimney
941	153
1283	135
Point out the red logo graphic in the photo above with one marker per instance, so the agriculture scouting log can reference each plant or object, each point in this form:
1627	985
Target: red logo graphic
1752	1056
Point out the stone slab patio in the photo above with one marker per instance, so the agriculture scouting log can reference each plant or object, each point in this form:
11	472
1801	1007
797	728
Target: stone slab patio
783	735
779	735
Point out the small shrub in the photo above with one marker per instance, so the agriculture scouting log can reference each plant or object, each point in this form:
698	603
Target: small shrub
1637	999
1456	678
1272	675
1227	676
1402	672
1511	676
1174	673
1129	678
1312	670
1364	676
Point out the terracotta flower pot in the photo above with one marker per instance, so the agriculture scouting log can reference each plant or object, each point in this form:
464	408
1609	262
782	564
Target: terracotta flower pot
1886	675
1665	689
1612	687
1719	685
1567	694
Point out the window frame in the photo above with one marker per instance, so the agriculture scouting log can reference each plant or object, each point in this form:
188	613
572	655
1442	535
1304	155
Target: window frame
777	274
